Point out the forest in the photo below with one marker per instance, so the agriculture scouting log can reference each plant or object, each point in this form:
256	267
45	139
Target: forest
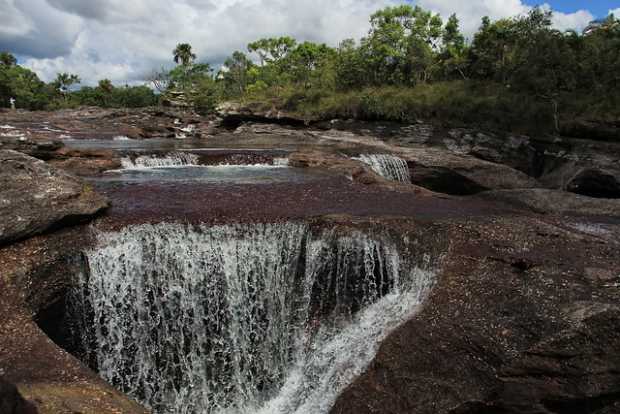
517	73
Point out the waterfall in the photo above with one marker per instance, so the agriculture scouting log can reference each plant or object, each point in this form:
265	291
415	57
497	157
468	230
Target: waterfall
173	159
387	166
268	318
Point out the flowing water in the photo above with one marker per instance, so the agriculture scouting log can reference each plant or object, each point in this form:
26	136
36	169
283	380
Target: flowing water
268	318
173	159
387	166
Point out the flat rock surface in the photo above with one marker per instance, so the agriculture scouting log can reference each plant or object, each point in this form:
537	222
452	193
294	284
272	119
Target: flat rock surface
35	197
524	315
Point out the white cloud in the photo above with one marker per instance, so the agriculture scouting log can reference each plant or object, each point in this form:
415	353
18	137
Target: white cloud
470	13
124	40
12	21
575	21
615	12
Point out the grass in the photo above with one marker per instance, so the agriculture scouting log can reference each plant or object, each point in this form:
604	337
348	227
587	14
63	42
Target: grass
455	103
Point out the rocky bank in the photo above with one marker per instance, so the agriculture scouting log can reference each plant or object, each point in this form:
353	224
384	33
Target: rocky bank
524	312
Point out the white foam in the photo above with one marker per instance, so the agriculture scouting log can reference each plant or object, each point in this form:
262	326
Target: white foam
387	166
173	159
241	318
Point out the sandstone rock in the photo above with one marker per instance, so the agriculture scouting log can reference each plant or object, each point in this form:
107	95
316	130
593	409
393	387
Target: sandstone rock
555	202
35	197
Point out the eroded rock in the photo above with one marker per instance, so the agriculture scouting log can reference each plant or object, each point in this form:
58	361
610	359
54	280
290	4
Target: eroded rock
35	197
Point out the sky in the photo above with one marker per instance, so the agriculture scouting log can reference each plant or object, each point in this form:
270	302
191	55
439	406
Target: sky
125	40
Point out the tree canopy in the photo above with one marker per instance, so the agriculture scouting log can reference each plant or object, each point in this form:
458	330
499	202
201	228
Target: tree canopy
508	63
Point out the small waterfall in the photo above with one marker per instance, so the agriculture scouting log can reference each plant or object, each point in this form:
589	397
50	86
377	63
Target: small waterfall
173	159
267	318
280	162
387	166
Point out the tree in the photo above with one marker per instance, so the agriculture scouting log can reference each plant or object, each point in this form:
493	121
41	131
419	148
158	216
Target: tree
64	81
307	60
453	54
183	54
7	59
272	50
350	66
106	88
235	73
401	44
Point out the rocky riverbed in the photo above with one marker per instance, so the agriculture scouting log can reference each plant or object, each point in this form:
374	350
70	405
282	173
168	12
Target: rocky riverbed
522	234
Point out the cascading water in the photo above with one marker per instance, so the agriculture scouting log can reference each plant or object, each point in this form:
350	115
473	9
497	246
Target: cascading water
269	318
173	159
387	166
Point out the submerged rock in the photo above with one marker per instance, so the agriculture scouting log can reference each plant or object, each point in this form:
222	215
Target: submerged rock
35	197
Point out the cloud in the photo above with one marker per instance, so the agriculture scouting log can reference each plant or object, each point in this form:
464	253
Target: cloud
575	21
124	40
615	12
36	29
471	12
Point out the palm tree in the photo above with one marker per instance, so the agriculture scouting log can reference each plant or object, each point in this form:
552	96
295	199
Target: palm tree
65	80
183	53
7	59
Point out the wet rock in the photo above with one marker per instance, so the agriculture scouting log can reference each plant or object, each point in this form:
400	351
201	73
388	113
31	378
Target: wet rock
348	167
42	149
555	202
495	339
35	197
595	183
11	402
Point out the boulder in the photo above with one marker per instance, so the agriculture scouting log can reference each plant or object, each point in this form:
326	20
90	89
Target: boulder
442	171
35	197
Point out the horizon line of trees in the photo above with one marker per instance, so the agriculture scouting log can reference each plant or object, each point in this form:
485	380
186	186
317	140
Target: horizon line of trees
405	47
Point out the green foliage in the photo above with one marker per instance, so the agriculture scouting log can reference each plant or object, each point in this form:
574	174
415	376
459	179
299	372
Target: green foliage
237	74
7	59
518	73
183	54
23	85
107	95
272	50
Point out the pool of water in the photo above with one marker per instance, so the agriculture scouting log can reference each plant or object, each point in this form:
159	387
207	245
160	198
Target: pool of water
233	174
